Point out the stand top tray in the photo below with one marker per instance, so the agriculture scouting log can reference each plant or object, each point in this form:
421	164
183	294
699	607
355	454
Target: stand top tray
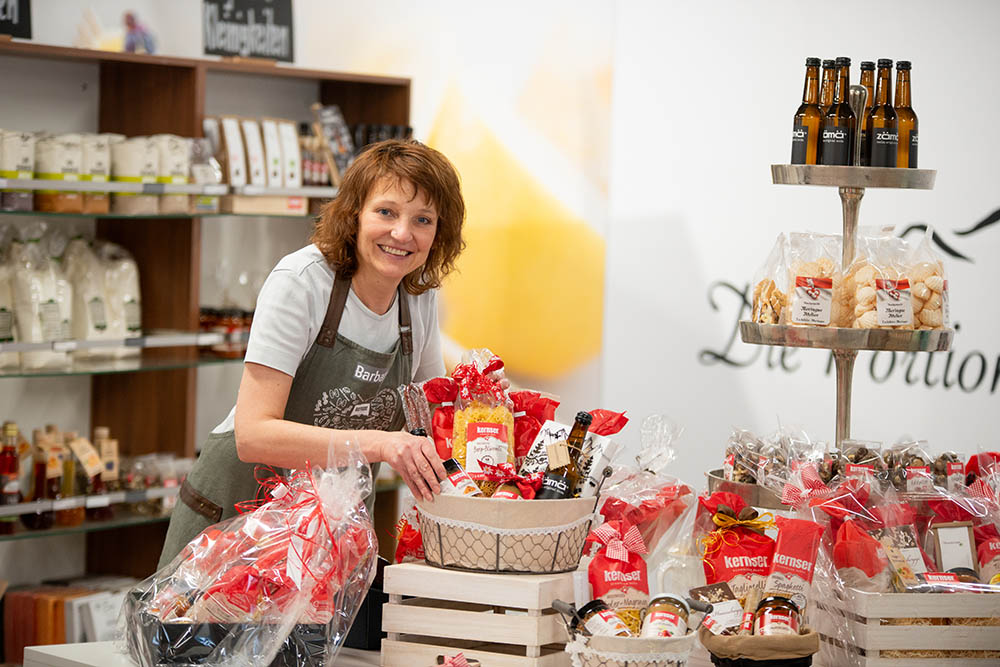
829	338
853	177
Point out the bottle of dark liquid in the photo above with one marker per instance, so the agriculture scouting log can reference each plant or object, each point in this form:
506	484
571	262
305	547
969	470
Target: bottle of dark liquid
40	520
829	85
561	477
840	123
906	119
881	132
808	119
868	81
10	484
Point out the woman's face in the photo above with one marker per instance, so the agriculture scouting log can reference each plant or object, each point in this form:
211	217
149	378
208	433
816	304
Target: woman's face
396	230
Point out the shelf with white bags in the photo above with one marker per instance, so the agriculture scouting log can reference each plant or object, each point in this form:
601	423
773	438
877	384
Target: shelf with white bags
151	339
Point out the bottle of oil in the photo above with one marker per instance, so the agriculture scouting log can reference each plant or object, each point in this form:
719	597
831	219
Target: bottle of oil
882	133
808	120
840	123
72	516
906	119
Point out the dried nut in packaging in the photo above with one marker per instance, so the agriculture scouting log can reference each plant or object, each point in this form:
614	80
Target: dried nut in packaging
860	459
666	616
948	471
598	620
770	292
909	467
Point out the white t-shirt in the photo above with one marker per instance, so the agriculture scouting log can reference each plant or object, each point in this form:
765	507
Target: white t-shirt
291	307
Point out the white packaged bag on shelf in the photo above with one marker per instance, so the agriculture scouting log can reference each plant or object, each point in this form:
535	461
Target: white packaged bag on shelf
175	165
124	300
135	160
36	300
90	312
54	246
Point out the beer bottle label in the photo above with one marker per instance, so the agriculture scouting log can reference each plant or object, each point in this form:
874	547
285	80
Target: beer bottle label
800	141
913	149
866	160
554	487
884	145
836	145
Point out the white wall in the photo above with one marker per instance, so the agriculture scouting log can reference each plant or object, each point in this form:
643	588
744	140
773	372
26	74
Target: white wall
703	99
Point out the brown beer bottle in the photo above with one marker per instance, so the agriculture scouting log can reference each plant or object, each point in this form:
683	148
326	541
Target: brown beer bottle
881	133
868	81
906	119
560	479
808	119
829	85
840	123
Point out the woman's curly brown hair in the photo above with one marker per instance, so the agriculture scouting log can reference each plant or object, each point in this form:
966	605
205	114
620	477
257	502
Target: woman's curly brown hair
405	162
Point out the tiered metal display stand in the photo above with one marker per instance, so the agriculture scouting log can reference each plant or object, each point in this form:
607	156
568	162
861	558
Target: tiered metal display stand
845	343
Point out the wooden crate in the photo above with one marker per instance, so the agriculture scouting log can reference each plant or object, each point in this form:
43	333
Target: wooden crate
503	620
866	616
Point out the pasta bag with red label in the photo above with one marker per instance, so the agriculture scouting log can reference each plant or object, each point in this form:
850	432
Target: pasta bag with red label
738	552
794	560
618	572
484	418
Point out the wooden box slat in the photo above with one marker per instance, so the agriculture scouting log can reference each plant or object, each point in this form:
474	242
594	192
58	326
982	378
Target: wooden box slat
431	617
417	652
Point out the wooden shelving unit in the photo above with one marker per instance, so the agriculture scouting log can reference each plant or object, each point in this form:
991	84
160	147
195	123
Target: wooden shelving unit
143	95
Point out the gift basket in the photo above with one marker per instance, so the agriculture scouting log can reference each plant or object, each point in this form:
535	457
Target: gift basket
279	584
479	522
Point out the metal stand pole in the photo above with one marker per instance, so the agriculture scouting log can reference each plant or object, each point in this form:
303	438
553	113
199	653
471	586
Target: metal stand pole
844	360
851	200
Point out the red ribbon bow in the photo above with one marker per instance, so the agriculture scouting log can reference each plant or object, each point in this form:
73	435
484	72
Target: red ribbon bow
812	487
474	383
456	661
619	539
528	485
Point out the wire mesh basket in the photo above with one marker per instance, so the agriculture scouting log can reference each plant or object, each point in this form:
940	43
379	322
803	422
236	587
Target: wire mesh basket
505	536
631	651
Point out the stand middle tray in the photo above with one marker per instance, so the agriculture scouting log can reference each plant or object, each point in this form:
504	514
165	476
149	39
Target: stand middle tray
831	338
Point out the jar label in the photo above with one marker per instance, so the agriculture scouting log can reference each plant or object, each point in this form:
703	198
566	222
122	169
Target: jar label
51	321
133	316
663	624
800	143
892	301
813	300
772	621
10	486
605	623
505	494
486	443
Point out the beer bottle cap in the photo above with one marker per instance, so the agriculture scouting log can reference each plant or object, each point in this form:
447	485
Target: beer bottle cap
812	62
584	418
885	62
867	65
843	60
903	64
828	64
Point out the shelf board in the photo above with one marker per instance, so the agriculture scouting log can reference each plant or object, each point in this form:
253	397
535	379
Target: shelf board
152	339
831	338
853	177
113	186
135	364
167	216
34	50
314	191
124	521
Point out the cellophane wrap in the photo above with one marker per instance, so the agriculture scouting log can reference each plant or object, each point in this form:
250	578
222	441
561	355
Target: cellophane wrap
879	540
279	584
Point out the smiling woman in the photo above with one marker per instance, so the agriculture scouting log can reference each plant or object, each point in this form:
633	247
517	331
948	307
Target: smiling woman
338	326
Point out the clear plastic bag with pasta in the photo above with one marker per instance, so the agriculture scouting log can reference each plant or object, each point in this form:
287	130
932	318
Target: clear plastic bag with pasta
928	286
770	287
484	418
813	279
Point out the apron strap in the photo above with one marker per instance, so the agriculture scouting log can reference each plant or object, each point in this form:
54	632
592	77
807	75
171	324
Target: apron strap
335	310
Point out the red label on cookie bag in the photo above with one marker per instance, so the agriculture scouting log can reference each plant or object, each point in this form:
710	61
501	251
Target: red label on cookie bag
858	470
918	478
892	302
813	299
485	443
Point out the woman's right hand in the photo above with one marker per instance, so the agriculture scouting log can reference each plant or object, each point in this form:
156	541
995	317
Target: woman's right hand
415	459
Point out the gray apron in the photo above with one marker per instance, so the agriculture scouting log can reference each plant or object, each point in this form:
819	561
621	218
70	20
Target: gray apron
339	385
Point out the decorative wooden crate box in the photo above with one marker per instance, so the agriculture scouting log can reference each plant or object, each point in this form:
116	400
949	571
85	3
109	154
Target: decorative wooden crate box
965	626
503	620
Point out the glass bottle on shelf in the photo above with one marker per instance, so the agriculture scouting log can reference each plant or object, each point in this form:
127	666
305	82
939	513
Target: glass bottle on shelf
72	516
882	132
40	519
829	85
564	472
840	123
10	484
95	482
868	81
808	122
906	118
